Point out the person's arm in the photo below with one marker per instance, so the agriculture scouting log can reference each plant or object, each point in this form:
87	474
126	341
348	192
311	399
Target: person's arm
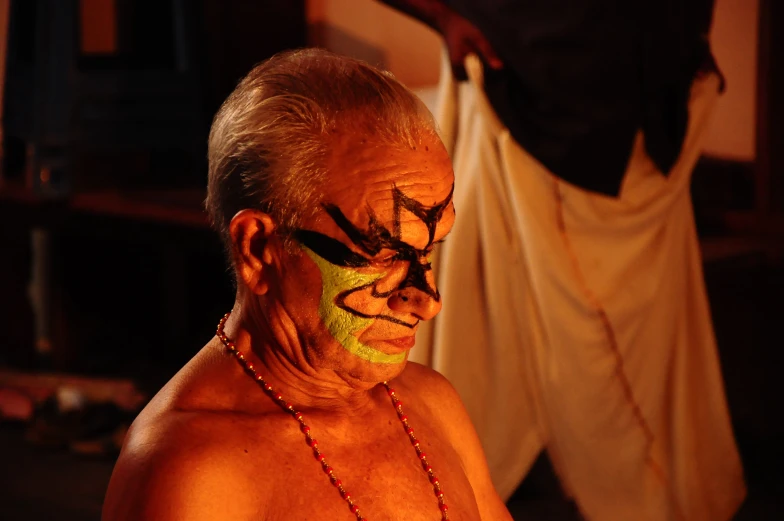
460	35
181	476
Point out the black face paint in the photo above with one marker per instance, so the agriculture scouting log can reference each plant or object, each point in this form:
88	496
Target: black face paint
428	215
375	239
417	274
331	250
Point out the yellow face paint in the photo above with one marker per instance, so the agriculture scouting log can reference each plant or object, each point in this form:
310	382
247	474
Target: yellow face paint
341	324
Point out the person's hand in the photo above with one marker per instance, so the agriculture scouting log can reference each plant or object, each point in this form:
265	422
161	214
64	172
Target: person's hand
462	38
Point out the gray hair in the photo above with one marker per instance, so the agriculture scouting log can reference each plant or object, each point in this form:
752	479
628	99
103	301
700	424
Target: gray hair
270	139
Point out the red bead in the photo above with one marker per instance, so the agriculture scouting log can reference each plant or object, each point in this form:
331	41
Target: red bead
337	483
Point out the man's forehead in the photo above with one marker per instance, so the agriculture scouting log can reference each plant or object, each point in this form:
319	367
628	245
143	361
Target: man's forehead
362	168
383	199
384	191
394	222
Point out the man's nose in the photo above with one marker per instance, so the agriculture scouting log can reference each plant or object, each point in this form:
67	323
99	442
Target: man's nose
412	300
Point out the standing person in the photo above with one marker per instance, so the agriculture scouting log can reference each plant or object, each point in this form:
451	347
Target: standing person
576	316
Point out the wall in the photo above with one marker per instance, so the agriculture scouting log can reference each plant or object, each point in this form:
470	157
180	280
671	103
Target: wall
380	35
98	26
734	39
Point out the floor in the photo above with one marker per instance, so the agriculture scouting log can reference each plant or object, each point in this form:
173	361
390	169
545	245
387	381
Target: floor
48	484
747	298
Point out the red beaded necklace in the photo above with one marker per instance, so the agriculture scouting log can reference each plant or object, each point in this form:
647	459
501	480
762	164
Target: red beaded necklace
313	444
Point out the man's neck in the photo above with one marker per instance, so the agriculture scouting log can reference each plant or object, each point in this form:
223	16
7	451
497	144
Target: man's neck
281	360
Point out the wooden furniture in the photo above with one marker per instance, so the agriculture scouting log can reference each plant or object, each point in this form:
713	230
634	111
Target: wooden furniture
135	110
64	103
108	264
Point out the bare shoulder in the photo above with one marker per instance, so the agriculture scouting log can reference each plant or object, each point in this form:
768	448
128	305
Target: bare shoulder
430	392
428	386
416	374
429	389
188	466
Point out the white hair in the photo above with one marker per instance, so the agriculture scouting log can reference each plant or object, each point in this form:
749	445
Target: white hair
270	139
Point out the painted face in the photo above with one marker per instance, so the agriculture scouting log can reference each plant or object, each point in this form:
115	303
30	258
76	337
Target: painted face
371	244
346	272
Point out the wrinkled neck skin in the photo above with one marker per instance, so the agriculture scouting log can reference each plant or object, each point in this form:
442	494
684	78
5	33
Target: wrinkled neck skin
279	355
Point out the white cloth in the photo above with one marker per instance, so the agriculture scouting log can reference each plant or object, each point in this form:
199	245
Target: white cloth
579	323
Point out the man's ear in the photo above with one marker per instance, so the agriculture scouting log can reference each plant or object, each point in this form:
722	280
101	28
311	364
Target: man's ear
251	231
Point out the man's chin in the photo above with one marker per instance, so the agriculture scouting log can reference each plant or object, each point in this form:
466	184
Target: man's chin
370	372
371	361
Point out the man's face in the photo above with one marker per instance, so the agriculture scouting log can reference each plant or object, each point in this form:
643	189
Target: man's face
367	254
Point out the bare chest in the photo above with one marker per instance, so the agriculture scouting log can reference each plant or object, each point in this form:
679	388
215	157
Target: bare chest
381	471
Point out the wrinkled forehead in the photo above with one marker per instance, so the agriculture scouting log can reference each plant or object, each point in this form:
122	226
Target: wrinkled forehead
403	191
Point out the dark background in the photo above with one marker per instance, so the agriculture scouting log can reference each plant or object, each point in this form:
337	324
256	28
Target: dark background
104	164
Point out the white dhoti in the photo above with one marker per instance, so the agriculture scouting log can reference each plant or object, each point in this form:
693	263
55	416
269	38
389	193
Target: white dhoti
579	323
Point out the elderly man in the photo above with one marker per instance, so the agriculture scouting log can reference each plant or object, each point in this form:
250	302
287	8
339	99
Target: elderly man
330	188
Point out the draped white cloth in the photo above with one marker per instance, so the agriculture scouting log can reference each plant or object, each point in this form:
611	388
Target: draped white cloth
579	323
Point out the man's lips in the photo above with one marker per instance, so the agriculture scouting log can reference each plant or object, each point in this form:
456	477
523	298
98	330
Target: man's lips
404	342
